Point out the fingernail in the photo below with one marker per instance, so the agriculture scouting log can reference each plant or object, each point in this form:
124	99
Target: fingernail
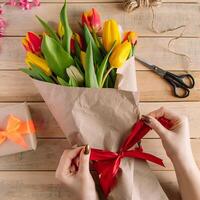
146	119
87	149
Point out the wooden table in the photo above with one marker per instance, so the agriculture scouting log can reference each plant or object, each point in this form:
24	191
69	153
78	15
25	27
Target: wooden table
31	175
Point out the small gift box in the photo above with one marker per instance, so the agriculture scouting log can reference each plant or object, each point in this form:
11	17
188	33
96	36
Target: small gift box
17	132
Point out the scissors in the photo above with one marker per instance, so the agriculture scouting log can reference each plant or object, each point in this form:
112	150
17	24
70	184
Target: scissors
179	83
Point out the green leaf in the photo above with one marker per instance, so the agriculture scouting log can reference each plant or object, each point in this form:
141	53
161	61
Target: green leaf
73	82
90	76
74	73
89	39
67	30
48	29
62	82
77	49
103	66
31	73
57	58
37	70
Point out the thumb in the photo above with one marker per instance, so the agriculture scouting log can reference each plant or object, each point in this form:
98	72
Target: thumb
84	160
156	126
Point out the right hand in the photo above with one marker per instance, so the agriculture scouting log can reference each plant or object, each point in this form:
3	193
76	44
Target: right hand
176	141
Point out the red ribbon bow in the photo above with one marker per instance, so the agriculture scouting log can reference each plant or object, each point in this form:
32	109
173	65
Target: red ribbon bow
107	163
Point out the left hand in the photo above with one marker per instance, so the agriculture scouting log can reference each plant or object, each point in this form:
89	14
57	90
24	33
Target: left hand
73	171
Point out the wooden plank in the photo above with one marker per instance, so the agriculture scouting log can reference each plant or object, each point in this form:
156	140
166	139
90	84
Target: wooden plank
13	54
44	186
46	156
112	1
47	127
169	184
32	186
178	16
155	147
49	151
17	86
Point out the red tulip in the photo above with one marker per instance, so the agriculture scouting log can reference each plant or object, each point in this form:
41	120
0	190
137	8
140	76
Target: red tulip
32	43
92	19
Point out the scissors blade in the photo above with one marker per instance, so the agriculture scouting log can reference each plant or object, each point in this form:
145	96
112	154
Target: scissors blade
156	69
145	63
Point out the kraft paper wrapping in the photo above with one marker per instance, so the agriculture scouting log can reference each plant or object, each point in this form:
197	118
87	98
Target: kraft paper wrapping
102	118
20	111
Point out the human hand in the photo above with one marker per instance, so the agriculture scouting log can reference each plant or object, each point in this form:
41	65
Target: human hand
73	171
176	141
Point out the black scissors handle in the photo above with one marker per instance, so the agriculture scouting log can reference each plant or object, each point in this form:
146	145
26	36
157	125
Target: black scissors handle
178	82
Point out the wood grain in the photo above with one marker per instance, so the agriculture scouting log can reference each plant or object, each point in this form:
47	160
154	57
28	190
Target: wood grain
12	53
44	186
112	1
26	21
17	86
169	184
49	151
47	127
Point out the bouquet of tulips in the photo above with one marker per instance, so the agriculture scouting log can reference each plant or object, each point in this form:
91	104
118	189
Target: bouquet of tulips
85	59
88	81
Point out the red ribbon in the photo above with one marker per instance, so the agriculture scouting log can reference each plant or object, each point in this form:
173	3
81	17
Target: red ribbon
107	163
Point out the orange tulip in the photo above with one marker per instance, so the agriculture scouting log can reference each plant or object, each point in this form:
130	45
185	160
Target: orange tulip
131	37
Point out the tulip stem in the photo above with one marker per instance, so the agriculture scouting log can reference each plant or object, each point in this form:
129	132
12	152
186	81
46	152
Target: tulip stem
55	79
104	79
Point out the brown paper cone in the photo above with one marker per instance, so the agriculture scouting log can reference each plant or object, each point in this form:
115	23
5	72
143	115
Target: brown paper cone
102	118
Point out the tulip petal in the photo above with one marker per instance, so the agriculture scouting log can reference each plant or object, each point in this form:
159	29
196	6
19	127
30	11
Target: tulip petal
74	73
111	33
84	19
27	45
35	40
95	20
40	62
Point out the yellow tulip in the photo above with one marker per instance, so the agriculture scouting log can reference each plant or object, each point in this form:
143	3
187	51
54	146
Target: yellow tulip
110	34
82	58
60	30
120	54
118	57
39	62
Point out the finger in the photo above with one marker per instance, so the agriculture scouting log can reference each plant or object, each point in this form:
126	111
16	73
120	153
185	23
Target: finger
163	112
157	126
73	153
84	160
66	159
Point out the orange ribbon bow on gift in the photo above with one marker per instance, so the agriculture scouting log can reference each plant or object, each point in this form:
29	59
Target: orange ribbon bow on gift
15	129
